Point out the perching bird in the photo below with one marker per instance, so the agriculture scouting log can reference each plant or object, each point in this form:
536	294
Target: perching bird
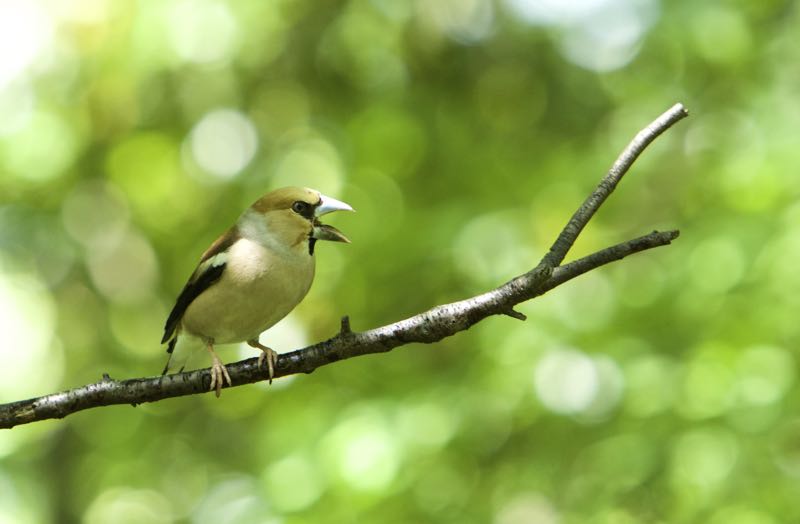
253	275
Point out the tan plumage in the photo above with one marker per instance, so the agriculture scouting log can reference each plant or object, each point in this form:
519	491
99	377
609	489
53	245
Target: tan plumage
253	275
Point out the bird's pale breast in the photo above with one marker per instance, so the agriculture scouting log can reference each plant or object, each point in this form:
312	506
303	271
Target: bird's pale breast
258	287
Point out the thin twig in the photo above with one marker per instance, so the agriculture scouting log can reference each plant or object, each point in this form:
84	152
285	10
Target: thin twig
427	327
609	182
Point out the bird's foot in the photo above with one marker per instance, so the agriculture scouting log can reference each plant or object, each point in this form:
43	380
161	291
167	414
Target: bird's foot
219	374
268	354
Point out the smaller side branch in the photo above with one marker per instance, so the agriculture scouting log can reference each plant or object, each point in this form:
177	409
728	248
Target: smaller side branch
610	254
643	138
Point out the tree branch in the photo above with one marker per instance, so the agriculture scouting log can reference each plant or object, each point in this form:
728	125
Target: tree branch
609	182
427	327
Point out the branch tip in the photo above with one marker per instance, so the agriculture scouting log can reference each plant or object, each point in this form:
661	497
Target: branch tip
345	327
680	108
584	213
513	313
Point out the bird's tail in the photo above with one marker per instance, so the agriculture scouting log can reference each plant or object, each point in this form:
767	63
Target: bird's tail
170	350
181	349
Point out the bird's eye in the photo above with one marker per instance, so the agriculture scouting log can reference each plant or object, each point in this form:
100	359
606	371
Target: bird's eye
299	207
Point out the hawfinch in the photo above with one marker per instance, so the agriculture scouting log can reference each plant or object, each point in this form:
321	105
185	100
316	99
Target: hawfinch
253	275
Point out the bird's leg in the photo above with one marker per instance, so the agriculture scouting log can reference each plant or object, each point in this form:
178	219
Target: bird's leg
267	354
219	373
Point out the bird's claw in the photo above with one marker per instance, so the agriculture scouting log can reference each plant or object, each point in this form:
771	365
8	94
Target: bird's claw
271	356
219	375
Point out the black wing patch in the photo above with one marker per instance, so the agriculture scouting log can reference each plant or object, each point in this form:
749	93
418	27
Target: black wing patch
196	285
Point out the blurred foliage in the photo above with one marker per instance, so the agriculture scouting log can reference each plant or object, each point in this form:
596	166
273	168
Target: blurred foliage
465	132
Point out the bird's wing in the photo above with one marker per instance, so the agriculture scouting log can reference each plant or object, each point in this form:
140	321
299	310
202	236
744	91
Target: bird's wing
209	270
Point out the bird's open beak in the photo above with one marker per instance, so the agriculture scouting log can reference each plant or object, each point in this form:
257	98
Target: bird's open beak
329	205
324	231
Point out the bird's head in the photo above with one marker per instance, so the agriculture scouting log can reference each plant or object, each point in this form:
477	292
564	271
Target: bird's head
290	215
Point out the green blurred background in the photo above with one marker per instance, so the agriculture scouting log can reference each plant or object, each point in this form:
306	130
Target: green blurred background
465	132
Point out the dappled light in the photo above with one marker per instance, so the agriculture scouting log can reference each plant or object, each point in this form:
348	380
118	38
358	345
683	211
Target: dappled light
663	388
223	143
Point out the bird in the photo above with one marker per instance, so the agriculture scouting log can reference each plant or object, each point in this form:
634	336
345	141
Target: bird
252	276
